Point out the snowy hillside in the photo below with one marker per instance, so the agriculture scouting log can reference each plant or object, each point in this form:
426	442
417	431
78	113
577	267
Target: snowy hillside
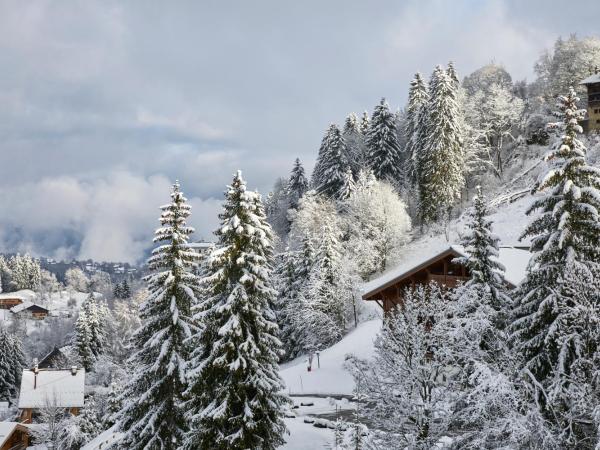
331	378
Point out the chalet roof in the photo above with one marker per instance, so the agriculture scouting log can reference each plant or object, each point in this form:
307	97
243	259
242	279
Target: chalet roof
27	305
514	259
592	79
53	387
7	429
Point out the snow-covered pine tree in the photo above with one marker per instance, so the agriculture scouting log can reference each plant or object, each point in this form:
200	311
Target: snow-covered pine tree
328	175
354	143
451	71
113	405
347	186
414	129
90	311
297	185
18	360
365	123
235	399
153	416
82	341
384	154
125	289
7	379
285	283
565	235
441	163
482	248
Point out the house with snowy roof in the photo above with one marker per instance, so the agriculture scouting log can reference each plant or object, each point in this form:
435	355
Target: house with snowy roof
51	388
439	268
592	83
30	310
9	300
13	436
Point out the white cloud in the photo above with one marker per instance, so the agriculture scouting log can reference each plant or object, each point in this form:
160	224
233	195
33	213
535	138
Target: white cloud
115	217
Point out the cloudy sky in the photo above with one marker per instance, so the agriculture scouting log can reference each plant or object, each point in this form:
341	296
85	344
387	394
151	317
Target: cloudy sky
104	103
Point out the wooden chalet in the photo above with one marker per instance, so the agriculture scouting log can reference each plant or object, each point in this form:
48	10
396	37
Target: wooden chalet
51	388
13	436
439	268
592	83
30	310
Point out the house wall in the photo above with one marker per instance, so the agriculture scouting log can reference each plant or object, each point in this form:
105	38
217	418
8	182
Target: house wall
593	107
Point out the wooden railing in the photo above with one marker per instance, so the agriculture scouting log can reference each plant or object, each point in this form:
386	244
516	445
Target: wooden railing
450	281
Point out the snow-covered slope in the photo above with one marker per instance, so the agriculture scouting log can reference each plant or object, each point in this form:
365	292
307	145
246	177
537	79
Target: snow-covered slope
331	378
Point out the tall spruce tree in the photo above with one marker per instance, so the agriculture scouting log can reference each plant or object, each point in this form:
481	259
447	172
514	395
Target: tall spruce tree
441	165
328	175
235	399
365	123
298	184
384	154
482	248
354	143
152	416
82	341
565	236
11	365
90	311
414	130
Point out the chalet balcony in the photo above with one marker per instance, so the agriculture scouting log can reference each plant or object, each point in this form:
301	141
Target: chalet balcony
450	281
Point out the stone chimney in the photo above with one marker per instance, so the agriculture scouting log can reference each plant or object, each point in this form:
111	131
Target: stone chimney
73	370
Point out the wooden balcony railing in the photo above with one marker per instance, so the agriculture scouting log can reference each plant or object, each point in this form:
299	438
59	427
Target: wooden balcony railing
450	281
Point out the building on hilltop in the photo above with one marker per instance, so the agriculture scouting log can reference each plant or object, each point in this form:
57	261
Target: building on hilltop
51	388
592	123
30	310
387	290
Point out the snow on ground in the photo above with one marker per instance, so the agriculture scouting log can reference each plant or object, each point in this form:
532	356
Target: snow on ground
103	440
331	378
303	436
321	405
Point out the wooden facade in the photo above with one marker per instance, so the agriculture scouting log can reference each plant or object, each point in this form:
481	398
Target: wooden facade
33	312
592	122
10	302
439	269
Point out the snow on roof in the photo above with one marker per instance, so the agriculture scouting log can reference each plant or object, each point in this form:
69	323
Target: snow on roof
592	79
53	387
514	259
25	305
6	429
24	294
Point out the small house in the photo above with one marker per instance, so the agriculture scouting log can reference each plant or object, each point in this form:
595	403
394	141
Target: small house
9	300
592	83
30	310
51	388
439	268
13	436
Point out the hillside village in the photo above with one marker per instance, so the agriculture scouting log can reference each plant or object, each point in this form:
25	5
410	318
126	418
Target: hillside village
433	284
